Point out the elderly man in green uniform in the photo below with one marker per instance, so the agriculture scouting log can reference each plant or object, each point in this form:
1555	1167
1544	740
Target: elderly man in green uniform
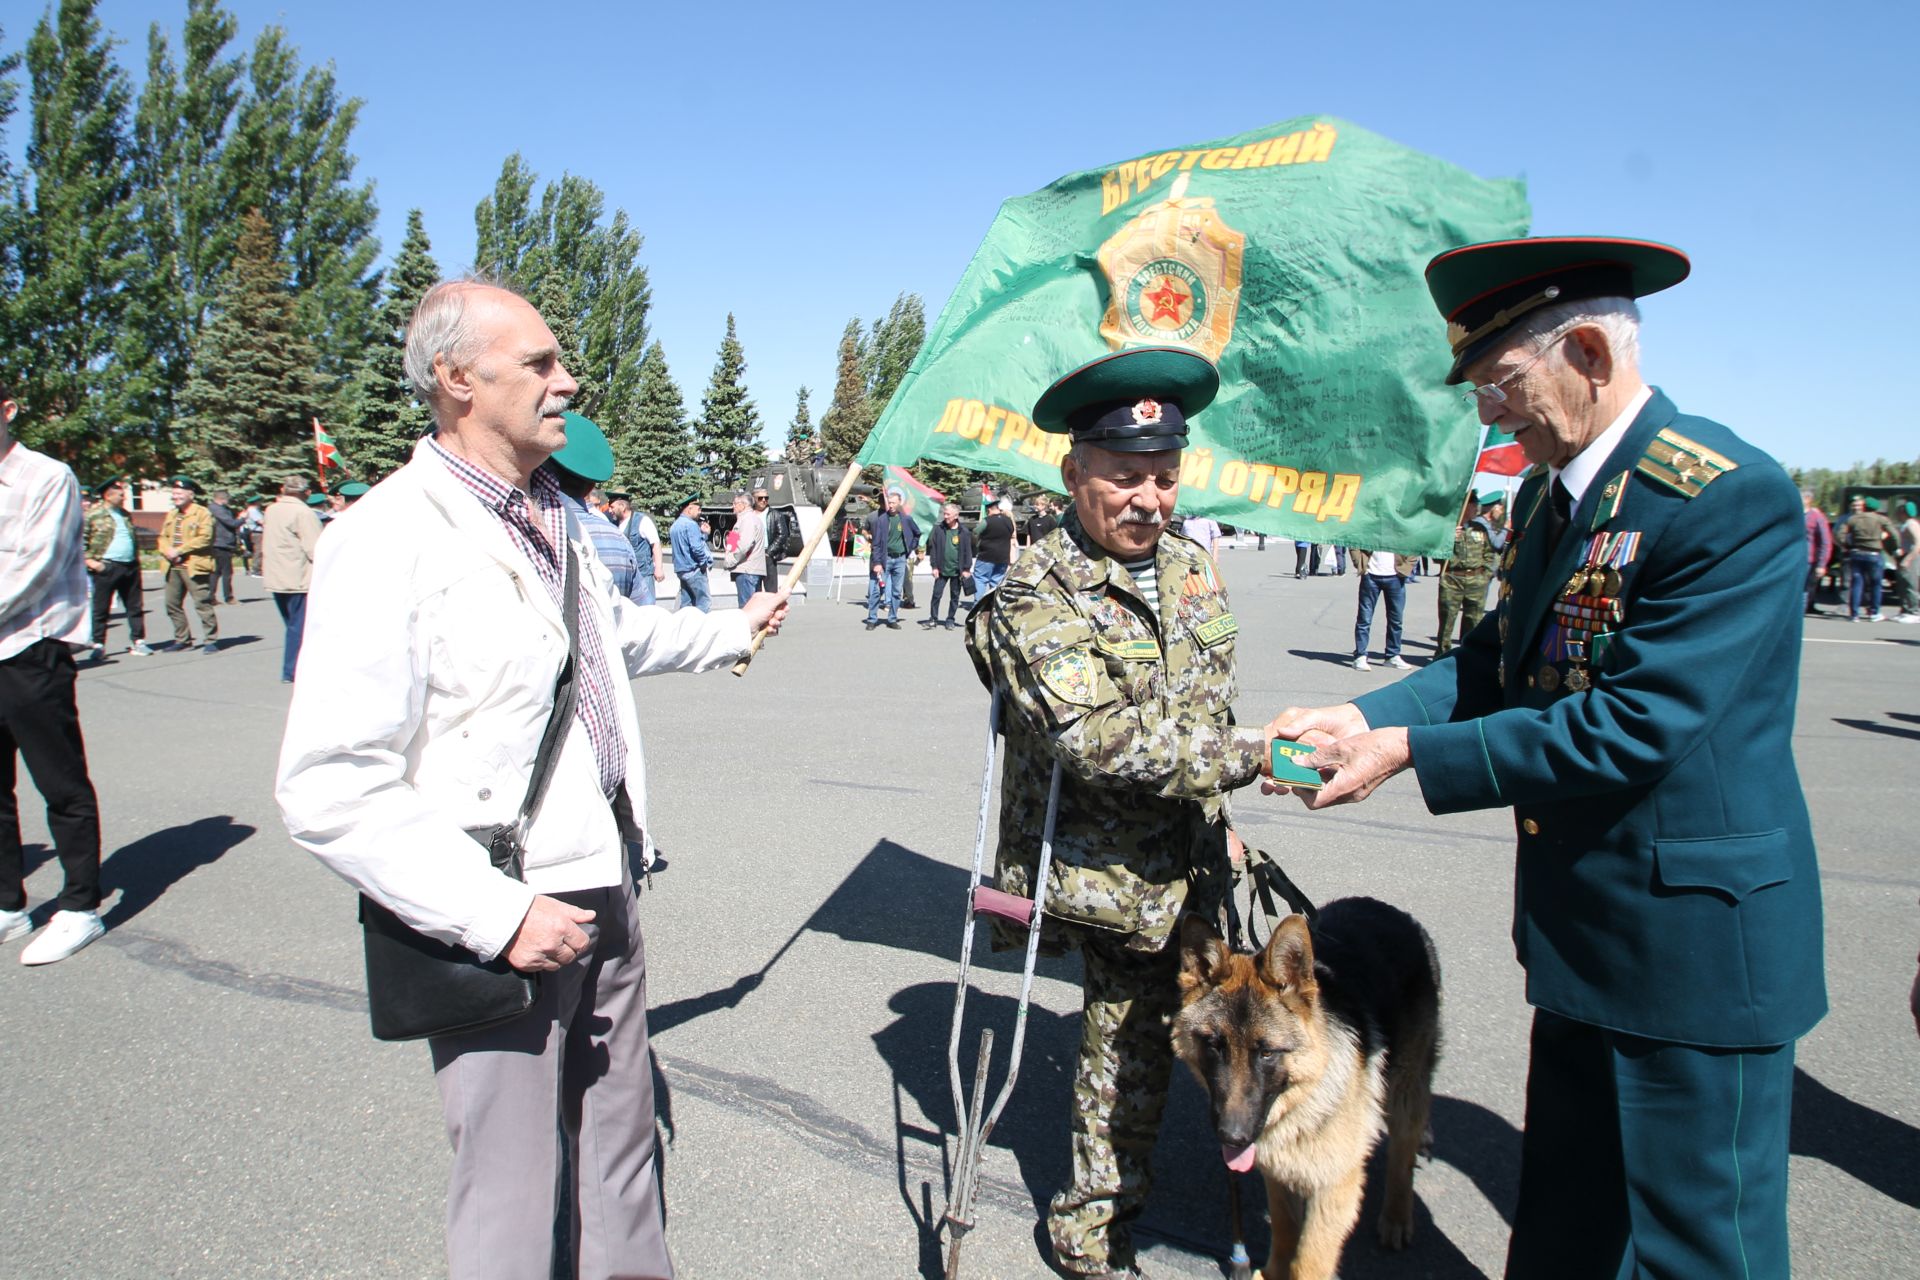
1468	572
1113	645
1632	699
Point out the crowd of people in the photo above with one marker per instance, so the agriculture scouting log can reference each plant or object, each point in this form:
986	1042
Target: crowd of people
1659	823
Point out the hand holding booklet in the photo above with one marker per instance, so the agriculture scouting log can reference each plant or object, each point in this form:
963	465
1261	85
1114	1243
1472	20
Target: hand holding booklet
1288	772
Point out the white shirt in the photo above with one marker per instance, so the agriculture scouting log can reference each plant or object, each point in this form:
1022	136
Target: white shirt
1203	530
1380	564
43	577
1585	468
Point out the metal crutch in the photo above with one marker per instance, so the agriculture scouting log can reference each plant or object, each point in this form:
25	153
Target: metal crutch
1021	911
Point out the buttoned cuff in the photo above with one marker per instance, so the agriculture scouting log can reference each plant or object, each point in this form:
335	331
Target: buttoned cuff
498	919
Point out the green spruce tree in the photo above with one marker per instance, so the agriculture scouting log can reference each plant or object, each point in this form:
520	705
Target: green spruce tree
77	248
800	441
892	348
652	452
850	416
726	440
254	389
387	418
12	227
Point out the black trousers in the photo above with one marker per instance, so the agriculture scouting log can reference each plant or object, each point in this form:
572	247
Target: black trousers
950	586
121	578
40	723
223	574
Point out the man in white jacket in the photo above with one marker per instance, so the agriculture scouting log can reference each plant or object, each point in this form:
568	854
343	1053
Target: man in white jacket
434	635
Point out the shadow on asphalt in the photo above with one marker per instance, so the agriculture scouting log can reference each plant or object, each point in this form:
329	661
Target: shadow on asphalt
1874	1148
151	865
1868	726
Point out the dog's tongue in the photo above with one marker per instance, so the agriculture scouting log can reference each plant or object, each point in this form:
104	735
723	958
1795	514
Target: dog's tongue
1239	1161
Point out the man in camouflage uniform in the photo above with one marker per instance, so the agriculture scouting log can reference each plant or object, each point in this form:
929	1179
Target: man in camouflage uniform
1113	646
1469	571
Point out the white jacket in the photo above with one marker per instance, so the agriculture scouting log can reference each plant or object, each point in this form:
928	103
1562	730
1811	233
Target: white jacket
426	678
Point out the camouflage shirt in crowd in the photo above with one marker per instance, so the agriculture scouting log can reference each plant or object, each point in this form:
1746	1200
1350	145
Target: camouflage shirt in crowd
1138	708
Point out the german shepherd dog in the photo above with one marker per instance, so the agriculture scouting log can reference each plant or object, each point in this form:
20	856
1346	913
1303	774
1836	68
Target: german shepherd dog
1307	1052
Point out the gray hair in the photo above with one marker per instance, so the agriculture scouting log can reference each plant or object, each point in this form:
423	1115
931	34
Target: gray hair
1806	496
295	485
444	326
893	492
1618	318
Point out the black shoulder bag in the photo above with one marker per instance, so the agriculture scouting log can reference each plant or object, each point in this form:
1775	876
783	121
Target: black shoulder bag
419	986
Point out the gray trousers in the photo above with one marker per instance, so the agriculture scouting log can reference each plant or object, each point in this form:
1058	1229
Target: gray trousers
578	1061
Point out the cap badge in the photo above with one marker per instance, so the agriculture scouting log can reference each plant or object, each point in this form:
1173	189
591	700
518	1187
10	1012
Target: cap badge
1146	413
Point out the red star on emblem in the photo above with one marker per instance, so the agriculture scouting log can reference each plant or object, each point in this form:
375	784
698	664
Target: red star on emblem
1166	301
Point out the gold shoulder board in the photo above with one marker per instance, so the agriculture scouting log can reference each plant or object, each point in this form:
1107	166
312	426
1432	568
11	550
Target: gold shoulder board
1681	464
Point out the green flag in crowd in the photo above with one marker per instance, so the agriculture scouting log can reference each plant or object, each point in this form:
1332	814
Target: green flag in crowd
1293	257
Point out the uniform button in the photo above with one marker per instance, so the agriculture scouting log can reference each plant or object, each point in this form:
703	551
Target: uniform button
1531	827
486	793
1529	682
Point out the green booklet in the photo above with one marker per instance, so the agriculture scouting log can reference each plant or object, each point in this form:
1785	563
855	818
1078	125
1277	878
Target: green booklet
1287	772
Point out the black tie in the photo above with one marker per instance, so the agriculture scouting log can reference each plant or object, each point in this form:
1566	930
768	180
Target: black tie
1559	513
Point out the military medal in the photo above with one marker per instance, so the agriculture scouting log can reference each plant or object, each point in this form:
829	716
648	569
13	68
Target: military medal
1549	677
1577	680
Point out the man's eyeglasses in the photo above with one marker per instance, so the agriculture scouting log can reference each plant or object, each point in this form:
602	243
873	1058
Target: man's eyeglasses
1496	392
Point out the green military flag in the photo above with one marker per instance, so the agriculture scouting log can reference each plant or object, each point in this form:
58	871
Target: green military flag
1292	256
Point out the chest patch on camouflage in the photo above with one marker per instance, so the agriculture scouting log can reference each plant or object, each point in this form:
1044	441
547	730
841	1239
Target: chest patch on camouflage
1068	674
1212	632
1144	650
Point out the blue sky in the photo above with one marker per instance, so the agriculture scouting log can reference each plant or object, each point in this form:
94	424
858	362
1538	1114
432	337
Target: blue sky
801	164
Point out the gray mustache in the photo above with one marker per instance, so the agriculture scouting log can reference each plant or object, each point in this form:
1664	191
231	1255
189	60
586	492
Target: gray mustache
1141	517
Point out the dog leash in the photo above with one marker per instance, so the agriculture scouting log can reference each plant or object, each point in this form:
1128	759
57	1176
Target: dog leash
1265	879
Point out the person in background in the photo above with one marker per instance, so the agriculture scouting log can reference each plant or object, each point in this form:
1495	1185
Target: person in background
43	618
691	557
779	532
894	537
1204	530
950	551
186	544
579	465
113	558
1908	563
1464	579
992	547
1866	536
1306	559
289	535
1819	549
747	562
1382	573
226	541
1045	520
644	537
250	524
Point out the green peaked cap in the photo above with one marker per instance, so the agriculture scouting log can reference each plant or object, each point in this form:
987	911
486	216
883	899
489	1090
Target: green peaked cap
1483	290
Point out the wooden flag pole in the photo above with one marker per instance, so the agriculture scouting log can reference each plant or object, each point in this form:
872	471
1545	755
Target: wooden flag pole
806	553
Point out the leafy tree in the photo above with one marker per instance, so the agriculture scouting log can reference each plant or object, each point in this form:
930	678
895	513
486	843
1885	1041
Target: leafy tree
76	244
726	439
891	349
12	226
254	388
583	272
800	441
188	220
652	453
850	417
387	419
287	156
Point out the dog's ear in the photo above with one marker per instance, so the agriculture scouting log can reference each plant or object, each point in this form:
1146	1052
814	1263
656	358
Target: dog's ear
1203	952
1287	962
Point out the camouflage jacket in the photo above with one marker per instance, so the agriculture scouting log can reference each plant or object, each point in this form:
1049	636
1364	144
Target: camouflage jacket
190	531
1138	708
1472	552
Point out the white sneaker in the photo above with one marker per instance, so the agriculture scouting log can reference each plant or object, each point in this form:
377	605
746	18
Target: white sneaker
1876	617
140	649
14	924
1399	663
1360	663
65	934
1908	619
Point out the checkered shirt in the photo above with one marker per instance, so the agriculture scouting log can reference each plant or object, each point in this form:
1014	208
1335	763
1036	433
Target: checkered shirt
594	705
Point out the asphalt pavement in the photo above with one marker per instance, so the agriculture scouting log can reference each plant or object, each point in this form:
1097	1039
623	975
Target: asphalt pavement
197	1094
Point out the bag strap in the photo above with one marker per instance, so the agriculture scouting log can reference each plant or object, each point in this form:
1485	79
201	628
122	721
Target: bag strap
565	690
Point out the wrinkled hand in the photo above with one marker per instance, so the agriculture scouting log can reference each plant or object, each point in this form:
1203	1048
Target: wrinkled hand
1315	726
549	936
1359	764
766	610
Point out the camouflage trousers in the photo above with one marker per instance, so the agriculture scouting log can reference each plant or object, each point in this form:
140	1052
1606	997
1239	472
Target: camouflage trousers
1119	1091
1462	599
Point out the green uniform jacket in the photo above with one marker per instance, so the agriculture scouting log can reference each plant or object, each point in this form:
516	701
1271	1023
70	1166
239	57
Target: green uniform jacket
1666	884
1137	705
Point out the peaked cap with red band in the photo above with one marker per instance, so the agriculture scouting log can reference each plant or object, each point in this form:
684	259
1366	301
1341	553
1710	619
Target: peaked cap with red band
1483	290
1133	401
